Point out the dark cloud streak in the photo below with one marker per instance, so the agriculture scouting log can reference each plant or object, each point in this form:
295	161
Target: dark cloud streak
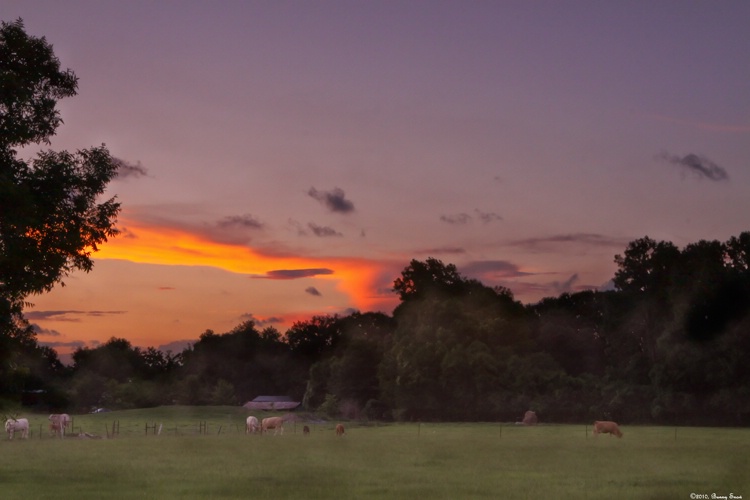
65	315
323	231
493	269
591	239
246	221
456	219
293	274
127	170
700	166
335	200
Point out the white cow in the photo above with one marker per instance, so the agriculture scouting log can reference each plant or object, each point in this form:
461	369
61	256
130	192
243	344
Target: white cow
252	425
13	425
58	423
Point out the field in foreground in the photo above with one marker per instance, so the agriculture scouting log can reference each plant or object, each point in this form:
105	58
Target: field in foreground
191	461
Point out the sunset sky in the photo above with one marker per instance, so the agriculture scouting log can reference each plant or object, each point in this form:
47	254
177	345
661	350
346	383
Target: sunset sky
287	159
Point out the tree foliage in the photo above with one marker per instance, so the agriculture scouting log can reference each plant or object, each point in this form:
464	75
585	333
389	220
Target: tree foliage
51	220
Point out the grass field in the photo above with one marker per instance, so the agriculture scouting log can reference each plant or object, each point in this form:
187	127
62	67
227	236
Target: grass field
408	461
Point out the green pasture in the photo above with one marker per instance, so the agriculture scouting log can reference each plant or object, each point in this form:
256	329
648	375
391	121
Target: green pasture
203	453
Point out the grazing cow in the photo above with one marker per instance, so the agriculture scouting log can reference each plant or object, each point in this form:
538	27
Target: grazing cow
339	429
529	418
252	425
275	423
305	430
58	423
607	427
13	425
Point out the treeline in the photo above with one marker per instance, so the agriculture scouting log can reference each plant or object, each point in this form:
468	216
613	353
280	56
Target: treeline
668	345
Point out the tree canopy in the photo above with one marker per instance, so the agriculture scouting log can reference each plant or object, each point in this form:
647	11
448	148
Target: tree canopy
51	220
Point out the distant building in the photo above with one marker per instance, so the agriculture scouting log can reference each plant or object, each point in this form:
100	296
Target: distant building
272	403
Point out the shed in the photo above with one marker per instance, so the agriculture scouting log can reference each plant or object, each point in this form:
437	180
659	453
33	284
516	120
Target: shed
271	403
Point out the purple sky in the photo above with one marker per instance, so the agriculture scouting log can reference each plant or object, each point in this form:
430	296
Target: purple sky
527	142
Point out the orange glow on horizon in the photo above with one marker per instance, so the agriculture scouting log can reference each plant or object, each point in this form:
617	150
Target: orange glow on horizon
146	244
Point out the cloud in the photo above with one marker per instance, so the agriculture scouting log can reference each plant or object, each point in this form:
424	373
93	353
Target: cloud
335	200
457	219
67	315
165	288
492	269
564	286
74	344
548	243
45	331
487	217
293	274
261	321
323	231
700	166
442	250
298	226
246	221
127	170
313	291
464	218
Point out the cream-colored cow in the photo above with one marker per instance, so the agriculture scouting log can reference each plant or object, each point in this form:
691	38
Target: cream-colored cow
252	426
13	425
275	423
58	423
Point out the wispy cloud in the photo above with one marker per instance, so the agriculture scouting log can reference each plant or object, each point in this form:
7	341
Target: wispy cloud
487	217
442	251
700	166
550	243
464	218
246	221
323	231
564	286
46	332
456	219
293	274
335	200
72	344
313	291
492	270
127	170
67	315
272	320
